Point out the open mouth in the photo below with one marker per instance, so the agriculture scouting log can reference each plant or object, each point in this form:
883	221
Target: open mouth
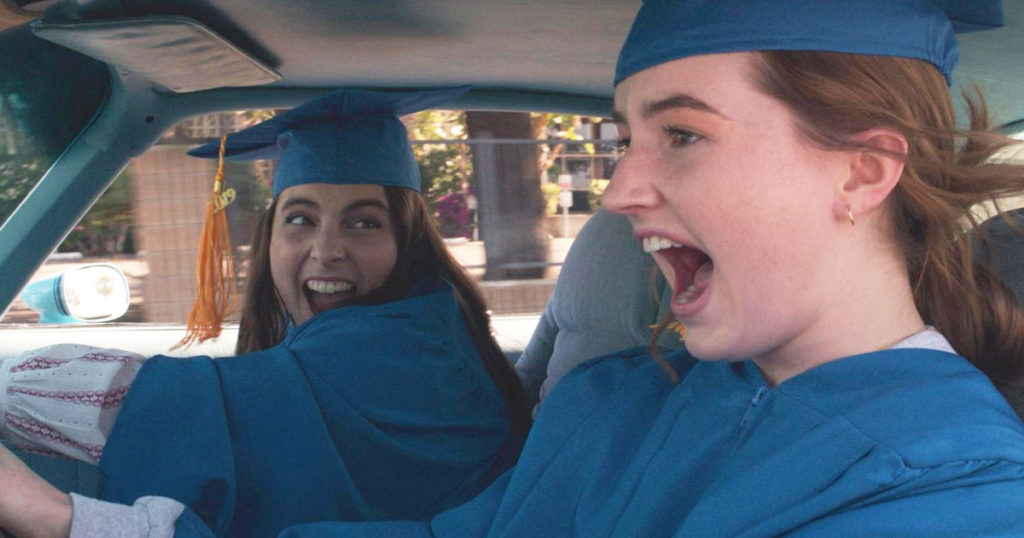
690	275
327	294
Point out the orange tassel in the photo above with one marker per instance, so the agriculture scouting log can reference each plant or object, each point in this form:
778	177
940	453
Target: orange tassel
216	292
675	326
678	328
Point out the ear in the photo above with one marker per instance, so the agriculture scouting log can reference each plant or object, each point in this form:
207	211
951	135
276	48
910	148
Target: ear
874	172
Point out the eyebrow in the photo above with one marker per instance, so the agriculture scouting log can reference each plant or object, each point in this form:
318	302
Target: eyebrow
367	202
298	200
357	204
679	100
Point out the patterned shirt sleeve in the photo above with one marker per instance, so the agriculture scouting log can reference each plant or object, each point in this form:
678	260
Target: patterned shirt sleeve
62	400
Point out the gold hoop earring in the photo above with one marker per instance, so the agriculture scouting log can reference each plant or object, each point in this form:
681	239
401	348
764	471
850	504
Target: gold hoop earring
849	213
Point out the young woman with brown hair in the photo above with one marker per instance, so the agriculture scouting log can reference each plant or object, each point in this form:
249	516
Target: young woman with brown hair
421	251
794	169
367	384
947	173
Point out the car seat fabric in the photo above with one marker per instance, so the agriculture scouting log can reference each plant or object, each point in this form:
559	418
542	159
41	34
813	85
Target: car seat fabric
1003	248
604	301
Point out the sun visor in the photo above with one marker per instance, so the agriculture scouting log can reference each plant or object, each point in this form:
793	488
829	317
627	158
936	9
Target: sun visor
177	53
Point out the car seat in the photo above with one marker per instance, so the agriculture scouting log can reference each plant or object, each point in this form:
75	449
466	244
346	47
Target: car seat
999	245
606	299
1003	249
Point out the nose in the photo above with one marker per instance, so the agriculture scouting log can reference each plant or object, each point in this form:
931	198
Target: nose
632	187
328	246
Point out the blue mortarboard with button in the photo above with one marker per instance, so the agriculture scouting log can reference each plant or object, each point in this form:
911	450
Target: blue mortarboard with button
923	29
344	137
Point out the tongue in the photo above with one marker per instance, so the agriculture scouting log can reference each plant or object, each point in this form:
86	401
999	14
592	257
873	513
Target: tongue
692	268
326	301
703	274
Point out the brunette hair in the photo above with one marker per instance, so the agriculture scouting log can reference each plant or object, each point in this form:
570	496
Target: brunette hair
421	253
947	172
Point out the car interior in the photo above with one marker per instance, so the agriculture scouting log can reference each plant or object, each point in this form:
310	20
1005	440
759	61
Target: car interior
163	61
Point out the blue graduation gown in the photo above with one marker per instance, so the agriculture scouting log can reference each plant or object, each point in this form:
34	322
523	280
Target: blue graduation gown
894	443
361	413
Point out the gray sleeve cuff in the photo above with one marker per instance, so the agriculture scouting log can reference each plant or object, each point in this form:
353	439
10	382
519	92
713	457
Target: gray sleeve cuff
149	517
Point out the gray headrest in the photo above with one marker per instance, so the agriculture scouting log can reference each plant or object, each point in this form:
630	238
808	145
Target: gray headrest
604	301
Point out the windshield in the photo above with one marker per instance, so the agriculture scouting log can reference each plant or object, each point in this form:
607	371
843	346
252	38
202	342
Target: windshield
47	95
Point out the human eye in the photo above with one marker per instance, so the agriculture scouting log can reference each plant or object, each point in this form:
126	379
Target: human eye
680	138
365	223
298	219
621	144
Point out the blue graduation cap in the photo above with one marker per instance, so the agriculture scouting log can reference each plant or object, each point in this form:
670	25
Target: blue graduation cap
344	137
924	29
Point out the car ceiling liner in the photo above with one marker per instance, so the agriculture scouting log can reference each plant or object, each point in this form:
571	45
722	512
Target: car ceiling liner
11	15
175	52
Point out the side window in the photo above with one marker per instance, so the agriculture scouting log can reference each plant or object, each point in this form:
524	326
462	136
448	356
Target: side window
1014	154
149	220
47	95
509	192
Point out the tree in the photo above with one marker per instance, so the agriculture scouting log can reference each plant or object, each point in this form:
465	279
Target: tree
18	174
47	94
445	168
508	188
557	126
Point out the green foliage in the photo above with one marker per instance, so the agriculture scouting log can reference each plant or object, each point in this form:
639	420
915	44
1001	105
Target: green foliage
597	187
45	99
17	176
561	127
550	192
445	168
47	94
442	171
107	227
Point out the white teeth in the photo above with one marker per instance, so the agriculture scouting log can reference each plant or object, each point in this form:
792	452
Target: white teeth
687	295
322	286
655	243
